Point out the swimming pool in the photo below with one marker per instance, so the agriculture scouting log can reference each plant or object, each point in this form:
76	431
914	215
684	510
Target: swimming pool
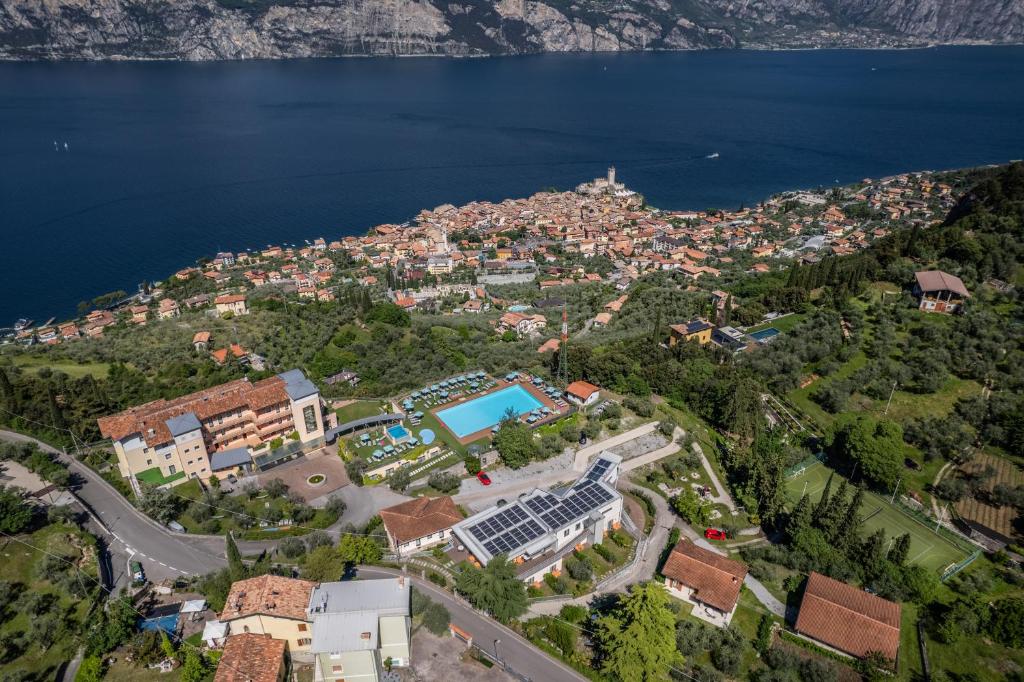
398	432
486	411
764	334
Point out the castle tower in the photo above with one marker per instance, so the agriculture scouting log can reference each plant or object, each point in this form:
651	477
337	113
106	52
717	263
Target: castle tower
611	175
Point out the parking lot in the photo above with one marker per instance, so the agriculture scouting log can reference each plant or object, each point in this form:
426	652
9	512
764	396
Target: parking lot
296	475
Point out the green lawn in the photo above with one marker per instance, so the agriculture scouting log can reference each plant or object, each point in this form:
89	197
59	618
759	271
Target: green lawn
154	477
358	410
927	548
74	370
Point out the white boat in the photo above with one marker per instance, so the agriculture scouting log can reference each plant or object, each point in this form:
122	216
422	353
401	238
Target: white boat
712	156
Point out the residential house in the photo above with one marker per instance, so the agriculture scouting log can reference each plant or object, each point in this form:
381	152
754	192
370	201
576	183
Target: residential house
697	329
582	393
270	605
522	325
707	580
602	320
549	346
537	530
939	292
201	341
251	657
359	628
168	309
729	338
848	619
231	303
139	313
419	523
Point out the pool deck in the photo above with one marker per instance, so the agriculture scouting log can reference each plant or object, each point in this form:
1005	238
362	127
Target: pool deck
539	395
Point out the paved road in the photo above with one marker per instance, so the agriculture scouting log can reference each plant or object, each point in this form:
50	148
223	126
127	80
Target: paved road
128	531
519	654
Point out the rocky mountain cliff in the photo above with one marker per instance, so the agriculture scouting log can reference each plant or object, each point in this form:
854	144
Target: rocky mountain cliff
246	29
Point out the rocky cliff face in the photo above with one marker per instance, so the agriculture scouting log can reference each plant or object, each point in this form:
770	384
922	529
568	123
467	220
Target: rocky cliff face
245	29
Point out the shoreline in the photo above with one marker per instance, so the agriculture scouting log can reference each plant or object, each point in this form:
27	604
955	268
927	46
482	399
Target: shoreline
366	231
124	59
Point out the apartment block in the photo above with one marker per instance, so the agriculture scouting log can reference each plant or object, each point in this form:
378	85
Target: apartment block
208	433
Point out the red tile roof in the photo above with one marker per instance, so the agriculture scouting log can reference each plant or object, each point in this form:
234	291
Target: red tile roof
714	579
581	389
937	280
270	595
249	657
419	517
849	619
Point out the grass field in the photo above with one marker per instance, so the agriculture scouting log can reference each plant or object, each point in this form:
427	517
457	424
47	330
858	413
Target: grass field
927	548
74	370
783	324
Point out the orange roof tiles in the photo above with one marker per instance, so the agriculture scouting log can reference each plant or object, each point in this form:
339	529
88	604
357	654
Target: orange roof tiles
249	657
268	595
848	618
581	389
714	579
419	517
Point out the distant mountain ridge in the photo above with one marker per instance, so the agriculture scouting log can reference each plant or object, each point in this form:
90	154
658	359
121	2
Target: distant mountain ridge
248	29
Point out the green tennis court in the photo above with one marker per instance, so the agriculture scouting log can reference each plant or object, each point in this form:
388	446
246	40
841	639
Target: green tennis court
927	548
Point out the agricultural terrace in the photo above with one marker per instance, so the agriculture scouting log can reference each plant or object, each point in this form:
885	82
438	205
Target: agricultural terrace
927	547
975	509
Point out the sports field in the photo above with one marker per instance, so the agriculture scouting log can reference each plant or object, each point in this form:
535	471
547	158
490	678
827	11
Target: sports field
927	548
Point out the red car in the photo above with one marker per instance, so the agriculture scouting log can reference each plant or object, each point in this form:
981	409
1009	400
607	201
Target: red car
483	478
714	534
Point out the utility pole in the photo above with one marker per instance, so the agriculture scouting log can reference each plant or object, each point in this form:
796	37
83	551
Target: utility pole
563	370
893	500
889	402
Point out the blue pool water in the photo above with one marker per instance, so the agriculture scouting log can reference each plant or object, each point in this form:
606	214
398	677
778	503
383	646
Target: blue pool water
397	432
168	624
427	436
764	334
486	411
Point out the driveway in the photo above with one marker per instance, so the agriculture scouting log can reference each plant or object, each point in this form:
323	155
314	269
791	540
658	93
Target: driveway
296	474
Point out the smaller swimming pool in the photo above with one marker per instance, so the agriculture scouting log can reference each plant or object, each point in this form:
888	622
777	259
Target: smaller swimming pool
764	334
168	624
398	432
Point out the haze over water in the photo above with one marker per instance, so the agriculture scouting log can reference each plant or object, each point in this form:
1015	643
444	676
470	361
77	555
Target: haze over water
168	162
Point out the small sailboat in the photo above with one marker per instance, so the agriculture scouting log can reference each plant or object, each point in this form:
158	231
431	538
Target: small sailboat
65	146
712	156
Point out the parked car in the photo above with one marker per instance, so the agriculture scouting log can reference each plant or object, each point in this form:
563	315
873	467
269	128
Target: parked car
138	575
483	478
583	439
714	534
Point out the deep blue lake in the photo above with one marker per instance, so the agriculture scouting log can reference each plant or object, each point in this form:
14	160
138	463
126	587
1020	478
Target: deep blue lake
168	162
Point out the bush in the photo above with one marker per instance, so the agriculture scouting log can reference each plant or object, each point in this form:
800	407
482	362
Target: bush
436	618
444	481
557	584
472	465
399	480
604	553
666	427
318	538
355	469
292	548
573	613
579	568
276	488
437	579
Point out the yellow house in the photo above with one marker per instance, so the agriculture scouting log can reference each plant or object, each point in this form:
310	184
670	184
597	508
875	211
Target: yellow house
697	329
271	605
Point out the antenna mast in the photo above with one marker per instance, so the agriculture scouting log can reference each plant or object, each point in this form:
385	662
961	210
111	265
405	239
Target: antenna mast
563	371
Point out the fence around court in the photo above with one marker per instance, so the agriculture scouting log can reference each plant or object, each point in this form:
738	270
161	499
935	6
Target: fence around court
956	568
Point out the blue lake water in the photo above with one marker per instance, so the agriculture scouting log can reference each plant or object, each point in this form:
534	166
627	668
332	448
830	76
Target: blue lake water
167	162
486	411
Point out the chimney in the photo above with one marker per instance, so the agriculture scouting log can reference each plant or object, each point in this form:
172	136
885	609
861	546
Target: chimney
401	582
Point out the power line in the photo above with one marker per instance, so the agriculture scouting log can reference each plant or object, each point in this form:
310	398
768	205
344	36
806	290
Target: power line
80	572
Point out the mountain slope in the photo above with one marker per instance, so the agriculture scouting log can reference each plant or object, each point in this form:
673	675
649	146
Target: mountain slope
243	29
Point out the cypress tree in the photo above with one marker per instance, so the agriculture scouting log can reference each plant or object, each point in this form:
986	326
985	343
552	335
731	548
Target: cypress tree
849	525
833	514
900	549
819	508
236	567
800	519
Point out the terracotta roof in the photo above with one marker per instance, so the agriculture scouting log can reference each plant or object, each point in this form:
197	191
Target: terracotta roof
419	517
269	595
849	619
581	389
714	579
249	657
204	404
229	298
937	280
201	337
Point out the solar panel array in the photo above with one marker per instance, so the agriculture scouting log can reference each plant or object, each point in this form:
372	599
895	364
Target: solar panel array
541	503
598	470
507	530
583	499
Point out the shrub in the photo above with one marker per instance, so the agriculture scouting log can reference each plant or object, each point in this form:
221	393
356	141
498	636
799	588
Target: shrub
666	427
472	465
579	568
437	579
399	480
604	553
276	488
318	538
436	618
444	481
557	584
573	613
292	548
355	470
